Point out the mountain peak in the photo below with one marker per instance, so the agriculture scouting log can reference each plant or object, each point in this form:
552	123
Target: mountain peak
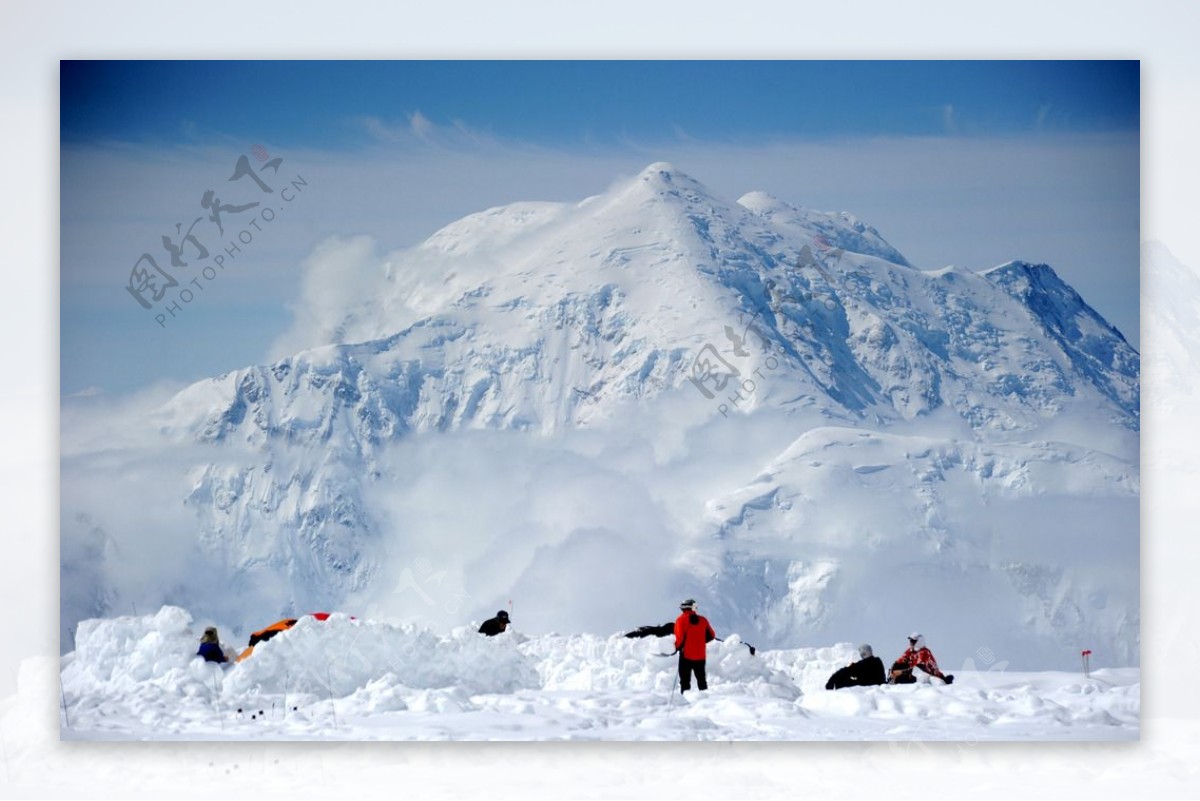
659	170
662	177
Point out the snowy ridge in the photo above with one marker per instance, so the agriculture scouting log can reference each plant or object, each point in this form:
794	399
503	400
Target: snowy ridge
136	678
1017	524
842	230
1096	348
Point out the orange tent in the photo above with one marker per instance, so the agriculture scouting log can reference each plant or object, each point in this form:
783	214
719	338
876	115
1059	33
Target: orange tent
264	634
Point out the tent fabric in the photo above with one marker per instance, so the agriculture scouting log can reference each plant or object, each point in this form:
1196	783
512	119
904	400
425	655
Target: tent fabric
264	634
267	632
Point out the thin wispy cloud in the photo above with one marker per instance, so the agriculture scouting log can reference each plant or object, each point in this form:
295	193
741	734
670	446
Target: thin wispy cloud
417	130
949	123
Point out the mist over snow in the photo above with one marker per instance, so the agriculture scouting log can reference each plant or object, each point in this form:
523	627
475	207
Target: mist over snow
592	409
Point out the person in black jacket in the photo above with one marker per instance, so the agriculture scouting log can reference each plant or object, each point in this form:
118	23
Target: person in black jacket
867	671
493	626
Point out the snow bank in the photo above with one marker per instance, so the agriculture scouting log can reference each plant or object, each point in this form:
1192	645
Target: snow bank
138	677
810	668
339	656
148	658
586	662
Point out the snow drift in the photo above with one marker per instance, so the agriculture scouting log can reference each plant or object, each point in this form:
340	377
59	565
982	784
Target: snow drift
136	677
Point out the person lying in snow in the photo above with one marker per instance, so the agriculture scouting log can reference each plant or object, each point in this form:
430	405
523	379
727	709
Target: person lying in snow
866	672
493	626
210	646
917	656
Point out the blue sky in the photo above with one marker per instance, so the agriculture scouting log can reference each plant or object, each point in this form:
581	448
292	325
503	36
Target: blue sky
316	103
967	163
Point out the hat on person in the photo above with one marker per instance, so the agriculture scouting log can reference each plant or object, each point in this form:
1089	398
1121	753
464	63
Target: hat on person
502	615
210	634
690	603
917	640
865	651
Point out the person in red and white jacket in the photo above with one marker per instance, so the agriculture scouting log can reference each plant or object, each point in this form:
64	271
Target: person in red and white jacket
693	633
917	657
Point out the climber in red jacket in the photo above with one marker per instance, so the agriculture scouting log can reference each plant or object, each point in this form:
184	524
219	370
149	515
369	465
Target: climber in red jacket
692	635
916	657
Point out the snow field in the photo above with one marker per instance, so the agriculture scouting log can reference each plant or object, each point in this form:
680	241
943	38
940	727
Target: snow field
136	678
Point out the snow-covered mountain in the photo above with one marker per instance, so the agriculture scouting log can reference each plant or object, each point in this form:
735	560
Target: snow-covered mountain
540	316
658	308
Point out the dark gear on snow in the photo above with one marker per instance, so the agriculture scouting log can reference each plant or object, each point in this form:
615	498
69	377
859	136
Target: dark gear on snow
665	630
